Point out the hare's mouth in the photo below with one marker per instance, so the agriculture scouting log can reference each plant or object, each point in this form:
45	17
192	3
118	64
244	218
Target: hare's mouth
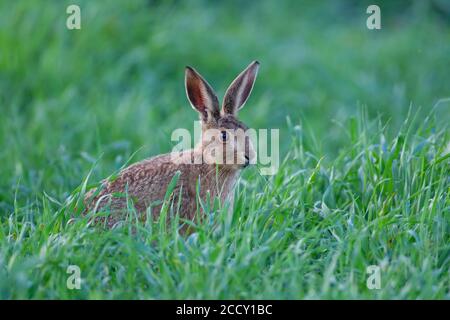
247	162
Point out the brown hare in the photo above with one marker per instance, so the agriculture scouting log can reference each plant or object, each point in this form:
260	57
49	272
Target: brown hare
205	171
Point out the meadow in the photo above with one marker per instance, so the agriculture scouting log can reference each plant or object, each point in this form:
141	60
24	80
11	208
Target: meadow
364	142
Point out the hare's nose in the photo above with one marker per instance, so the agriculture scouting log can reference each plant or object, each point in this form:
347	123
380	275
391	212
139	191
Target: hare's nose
247	161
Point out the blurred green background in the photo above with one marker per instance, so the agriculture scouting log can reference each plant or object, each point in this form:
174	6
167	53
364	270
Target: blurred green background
69	96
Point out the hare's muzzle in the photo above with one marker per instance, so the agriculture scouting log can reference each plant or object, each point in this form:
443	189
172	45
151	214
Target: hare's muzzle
247	161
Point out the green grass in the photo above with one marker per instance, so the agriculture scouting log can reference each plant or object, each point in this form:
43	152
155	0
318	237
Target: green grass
363	118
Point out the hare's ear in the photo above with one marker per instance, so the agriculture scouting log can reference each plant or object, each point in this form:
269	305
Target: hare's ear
201	96
240	89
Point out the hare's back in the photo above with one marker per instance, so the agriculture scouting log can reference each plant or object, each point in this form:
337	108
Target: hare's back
144	182
147	177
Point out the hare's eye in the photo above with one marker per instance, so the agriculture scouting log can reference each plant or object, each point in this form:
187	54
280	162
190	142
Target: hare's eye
223	136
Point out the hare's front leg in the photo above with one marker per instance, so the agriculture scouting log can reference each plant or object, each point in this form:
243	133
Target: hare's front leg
229	201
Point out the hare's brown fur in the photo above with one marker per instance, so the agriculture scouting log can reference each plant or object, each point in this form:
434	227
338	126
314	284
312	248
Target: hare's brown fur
144	184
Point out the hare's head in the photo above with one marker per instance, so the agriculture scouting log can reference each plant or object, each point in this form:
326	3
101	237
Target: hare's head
225	139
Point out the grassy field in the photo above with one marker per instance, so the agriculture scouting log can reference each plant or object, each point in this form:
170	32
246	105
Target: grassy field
364	138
